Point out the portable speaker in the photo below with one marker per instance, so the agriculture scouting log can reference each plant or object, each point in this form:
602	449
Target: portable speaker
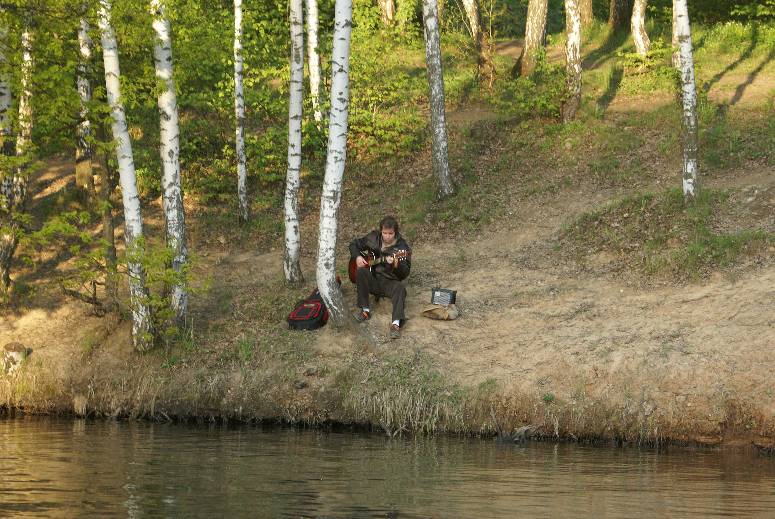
443	296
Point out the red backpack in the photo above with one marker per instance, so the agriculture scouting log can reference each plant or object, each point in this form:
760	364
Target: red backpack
309	314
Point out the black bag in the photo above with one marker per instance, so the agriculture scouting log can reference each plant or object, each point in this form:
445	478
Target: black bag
309	314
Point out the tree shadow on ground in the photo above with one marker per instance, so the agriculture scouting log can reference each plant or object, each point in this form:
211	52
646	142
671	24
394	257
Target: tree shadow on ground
751	77
744	56
614	81
603	53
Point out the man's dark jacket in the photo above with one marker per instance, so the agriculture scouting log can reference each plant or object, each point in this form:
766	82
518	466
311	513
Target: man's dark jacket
373	243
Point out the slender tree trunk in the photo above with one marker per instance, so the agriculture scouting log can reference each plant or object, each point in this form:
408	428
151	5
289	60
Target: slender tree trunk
676	56
638	27
335	162
24	139
5	101
291	263
619	13
133	223
446	187
313	58
484	64
586	13
689	100
535	31
572	60
172	197
13	190
387	9
84	177
239	110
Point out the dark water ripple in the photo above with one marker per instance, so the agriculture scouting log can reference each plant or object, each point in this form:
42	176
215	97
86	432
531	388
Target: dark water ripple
61	468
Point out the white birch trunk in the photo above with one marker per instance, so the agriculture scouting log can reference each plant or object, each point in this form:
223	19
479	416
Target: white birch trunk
83	153
239	111
13	190
5	95
335	163
313	58
291	264
472	13
676	56
535	29
172	196
638	27
25	108
133	223
572	60
440	158
689	99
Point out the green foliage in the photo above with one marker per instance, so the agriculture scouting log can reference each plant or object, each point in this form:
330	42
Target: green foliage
744	39
539	94
762	10
650	73
156	261
713	11
366	18
69	233
409	15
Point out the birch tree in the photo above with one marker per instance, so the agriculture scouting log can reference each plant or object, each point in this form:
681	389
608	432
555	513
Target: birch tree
586	13
172	196
484	64
313	58
676	55
689	99
83	152
133	223
440	159
572	60
24	138
638	27
239	112
292	178
335	162
5	94
13	188
535	30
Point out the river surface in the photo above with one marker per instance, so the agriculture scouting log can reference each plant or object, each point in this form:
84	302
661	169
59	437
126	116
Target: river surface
78	468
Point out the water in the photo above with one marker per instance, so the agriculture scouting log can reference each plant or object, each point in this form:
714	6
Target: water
64	468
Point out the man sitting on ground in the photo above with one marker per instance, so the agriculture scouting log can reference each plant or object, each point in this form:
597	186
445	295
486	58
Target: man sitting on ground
384	278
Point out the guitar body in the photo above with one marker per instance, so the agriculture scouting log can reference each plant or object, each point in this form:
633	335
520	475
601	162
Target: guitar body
352	267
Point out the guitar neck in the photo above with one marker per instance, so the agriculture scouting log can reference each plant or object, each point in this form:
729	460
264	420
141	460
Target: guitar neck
385	259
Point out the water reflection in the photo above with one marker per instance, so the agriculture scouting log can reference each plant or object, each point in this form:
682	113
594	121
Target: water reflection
56	468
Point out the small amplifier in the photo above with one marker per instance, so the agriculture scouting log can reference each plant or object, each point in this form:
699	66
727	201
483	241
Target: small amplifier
442	296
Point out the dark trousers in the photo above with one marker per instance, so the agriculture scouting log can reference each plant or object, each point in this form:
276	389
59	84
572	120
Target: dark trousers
368	283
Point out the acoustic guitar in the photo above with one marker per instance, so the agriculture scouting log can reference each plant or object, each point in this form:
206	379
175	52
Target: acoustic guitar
373	260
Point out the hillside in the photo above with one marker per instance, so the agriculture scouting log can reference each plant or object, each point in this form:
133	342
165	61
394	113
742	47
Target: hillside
574	319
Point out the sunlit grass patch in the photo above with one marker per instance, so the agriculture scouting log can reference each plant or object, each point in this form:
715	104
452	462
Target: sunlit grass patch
662	235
